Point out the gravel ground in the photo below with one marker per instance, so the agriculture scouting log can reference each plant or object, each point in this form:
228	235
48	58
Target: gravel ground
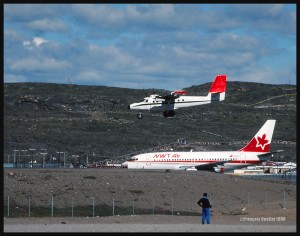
239	204
142	223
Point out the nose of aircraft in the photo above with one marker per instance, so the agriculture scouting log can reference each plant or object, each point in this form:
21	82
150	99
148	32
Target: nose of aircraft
125	164
128	107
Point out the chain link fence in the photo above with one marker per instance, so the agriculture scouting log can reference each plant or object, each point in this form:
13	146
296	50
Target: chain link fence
94	207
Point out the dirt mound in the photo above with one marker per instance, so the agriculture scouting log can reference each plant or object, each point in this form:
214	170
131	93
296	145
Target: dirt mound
174	192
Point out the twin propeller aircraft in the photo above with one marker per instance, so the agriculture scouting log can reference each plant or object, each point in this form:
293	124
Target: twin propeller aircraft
178	99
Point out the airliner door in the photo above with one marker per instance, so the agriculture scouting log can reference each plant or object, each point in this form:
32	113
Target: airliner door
243	158
148	162
147	104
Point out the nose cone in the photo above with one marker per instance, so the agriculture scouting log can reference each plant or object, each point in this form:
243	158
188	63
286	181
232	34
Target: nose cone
125	164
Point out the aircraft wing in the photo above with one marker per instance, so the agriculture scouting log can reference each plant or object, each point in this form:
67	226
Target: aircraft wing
168	96
219	167
173	95
208	166
185	167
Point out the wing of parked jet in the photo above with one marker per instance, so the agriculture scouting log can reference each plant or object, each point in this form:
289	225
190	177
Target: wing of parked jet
207	166
215	166
210	166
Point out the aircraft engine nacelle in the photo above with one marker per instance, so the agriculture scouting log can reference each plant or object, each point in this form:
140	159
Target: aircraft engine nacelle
219	169
191	169
154	96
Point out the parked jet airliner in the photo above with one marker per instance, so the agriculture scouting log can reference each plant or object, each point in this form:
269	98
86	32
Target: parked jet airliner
256	151
178	99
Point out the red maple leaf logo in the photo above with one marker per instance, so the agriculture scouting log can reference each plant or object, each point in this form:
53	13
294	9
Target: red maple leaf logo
261	141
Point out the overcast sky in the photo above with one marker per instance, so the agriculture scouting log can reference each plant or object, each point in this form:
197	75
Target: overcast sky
163	46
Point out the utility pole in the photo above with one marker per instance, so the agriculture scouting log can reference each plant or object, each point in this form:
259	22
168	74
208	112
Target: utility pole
43	156
15	158
31	150
24	161
59	159
19	156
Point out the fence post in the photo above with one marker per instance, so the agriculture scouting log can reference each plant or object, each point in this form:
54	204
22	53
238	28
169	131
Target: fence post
8	206
113	206
52	203
133	206
29	205
72	207
132	199
248	200
93	206
172	204
284	199
152	204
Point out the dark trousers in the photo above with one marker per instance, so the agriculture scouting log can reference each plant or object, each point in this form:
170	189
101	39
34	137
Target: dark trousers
205	215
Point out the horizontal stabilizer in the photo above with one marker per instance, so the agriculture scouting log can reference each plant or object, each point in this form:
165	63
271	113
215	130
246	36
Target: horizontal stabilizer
269	153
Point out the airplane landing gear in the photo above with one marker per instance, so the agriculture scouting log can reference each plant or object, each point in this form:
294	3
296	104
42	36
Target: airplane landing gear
140	115
170	113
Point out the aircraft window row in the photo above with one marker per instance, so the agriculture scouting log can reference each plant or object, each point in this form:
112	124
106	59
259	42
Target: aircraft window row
154	101
215	159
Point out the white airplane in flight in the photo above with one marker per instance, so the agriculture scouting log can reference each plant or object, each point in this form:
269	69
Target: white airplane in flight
256	151
178	99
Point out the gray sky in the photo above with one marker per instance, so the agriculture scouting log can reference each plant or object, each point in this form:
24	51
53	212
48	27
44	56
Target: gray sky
163	46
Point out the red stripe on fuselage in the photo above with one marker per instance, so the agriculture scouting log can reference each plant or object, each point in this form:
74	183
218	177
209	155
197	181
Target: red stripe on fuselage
201	162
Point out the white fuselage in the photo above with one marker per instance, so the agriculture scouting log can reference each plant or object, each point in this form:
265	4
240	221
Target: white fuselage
183	160
254	152
159	104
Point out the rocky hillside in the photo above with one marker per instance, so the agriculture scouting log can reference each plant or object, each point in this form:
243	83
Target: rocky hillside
93	123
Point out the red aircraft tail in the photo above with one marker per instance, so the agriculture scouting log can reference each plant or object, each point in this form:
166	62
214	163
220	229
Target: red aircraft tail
262	140
219	85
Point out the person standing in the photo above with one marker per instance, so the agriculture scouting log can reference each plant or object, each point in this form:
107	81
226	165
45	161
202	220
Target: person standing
205	204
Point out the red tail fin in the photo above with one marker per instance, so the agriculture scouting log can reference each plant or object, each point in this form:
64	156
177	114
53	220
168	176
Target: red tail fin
219	85
262	140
